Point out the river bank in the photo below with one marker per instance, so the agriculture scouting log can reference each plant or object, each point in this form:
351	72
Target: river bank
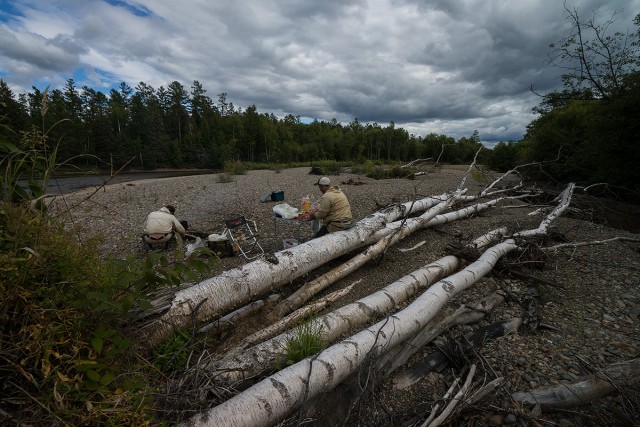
69	182
590	295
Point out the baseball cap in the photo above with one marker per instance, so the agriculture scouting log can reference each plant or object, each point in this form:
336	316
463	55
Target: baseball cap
324	181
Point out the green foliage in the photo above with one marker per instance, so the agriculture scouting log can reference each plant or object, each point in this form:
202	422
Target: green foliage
235	168
587	132
384	172
173	354
69	357
225	178
505	156
64	310
305	341
59	308
29	163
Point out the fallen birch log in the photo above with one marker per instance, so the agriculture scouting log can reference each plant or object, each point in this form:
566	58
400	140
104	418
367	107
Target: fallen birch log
441	218
228	321
264	356
292	319
310	289
235	287
272	399
463	315
613	379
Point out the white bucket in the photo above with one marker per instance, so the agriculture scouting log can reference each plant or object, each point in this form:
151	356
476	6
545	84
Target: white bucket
289	243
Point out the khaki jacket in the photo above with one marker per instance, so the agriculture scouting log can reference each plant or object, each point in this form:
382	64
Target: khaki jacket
162	222
334	208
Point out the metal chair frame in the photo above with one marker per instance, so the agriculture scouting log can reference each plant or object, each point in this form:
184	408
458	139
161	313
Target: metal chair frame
244	233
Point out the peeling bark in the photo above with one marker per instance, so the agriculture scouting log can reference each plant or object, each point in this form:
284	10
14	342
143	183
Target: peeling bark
273	398
264	356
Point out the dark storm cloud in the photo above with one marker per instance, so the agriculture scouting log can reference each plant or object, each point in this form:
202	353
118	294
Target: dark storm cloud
444	66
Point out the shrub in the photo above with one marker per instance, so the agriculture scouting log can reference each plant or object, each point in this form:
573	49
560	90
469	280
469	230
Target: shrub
225	178
235	168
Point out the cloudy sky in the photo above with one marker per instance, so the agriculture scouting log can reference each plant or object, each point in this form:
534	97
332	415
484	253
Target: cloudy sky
442	66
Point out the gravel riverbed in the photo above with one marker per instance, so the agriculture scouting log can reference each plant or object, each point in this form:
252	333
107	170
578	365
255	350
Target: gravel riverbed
591	300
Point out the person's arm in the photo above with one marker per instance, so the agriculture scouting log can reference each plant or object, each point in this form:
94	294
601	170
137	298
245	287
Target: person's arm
324	207
177	227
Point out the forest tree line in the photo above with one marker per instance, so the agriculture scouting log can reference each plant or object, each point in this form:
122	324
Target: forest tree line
590	127
176	127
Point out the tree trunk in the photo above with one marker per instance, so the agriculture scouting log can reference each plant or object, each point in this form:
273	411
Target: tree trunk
264	356
562	396
290	320
273	398
310	289
235	287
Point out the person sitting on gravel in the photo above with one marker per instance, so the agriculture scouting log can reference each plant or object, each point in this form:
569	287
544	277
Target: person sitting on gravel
334	209
161	226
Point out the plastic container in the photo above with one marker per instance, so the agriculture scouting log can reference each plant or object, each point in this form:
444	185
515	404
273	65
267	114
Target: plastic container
277	196
289	243
305	204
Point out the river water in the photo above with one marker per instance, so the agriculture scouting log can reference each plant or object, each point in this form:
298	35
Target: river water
67	184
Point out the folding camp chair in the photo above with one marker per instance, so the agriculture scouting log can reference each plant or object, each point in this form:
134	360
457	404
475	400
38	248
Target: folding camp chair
244	233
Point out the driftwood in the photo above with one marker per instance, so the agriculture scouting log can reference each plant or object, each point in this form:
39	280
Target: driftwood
236	287
312	288
611	380
456	399
462	316
229	320
292	319
273	398
265	355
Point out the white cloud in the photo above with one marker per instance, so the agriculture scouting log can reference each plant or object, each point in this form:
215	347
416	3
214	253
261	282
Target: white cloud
444	66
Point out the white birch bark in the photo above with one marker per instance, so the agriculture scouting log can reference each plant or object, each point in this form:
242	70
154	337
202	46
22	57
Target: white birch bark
235	287
265	355
290	320
272	399
310	289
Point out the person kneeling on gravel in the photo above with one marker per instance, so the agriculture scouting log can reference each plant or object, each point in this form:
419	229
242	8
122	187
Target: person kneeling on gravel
161	226
334	209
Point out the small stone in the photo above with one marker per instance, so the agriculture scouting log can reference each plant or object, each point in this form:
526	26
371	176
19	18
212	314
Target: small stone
522	361
495	420
510	419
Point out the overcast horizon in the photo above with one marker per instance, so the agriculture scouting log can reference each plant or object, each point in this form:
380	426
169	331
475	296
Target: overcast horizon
445	67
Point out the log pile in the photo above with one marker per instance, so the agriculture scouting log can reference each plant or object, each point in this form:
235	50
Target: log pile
378	333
